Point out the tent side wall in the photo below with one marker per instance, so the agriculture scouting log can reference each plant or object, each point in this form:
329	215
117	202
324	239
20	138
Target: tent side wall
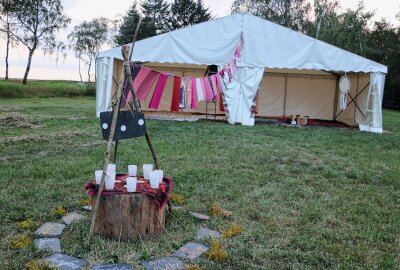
291	92
282	92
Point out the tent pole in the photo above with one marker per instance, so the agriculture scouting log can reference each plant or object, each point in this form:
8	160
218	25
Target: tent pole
355	102
336	98
112	131
284	98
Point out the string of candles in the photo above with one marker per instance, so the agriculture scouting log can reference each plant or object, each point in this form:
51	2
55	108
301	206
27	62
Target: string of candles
155	177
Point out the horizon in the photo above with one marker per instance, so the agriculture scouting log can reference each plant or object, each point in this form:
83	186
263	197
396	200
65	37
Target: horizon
45	68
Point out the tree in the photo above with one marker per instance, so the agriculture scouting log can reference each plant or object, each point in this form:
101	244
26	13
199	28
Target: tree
37	23
128	25
188	12
6	29
383	46
289	13
349	30
325	14
86	40
158	13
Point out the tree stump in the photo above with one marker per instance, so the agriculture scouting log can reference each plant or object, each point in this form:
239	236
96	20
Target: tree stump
128	217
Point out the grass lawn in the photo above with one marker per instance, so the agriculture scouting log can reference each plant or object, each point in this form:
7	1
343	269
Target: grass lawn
306	198
44	88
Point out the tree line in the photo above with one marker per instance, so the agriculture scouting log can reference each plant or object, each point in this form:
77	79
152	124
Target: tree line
35	23
353	30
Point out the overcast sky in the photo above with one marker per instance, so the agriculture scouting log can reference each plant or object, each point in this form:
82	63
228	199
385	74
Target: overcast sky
44	67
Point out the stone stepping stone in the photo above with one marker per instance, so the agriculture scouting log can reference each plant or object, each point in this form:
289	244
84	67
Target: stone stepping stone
176	207
190	251
87	208
52	244
200	216
50	229
71	218
207	233
166	263
111	266
65	262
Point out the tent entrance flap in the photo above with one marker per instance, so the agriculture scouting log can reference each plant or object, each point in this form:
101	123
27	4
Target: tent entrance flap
373	119
239	94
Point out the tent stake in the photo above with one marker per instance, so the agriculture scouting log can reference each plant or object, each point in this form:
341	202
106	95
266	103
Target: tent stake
112	130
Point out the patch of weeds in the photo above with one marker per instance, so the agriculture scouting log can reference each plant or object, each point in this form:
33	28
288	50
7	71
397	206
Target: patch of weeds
217	252
145	255
60	211
217	211
27	224
177	198
87	201
42	265
231	231
21	241
194	267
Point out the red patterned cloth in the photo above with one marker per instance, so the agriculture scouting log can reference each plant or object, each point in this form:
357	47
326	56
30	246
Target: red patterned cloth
160	195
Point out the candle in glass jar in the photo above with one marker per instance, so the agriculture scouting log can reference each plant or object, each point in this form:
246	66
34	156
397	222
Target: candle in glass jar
132	170
98	174
154	180
110	177
147	168
131	183
159	175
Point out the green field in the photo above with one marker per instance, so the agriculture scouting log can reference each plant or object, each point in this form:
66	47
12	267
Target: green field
45	88
306	198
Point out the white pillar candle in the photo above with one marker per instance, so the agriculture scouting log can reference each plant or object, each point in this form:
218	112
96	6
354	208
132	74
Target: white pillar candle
110	181
147	168
112	168
98	174
110	177
153	180
159	175
132	170
131	183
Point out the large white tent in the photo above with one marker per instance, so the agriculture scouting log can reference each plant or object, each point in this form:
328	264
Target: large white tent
294	73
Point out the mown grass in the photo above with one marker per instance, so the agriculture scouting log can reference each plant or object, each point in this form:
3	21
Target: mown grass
44	88
306	198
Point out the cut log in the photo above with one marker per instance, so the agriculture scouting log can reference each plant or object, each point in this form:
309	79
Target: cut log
128	217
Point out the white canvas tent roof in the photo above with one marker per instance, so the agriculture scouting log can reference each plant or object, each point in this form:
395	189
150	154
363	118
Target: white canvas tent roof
266	45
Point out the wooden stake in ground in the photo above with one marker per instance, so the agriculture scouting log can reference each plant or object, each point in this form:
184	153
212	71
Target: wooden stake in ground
112	129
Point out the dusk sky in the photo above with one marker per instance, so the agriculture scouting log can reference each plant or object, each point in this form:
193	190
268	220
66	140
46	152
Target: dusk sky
44	67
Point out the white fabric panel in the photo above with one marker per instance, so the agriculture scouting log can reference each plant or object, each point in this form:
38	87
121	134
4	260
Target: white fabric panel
373	121
274	46
266	45
311	97
362	99
104	74
271	96
240	92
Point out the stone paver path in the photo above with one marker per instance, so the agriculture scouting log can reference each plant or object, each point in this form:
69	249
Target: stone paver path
200	216
110	266
64	262
52	244
166	263
71	218
50	229
207	233
190	251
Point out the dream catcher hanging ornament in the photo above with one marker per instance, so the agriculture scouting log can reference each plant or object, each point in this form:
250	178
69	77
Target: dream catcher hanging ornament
344	86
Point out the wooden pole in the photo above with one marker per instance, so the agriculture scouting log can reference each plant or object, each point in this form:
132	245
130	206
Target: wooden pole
112	129
137	107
